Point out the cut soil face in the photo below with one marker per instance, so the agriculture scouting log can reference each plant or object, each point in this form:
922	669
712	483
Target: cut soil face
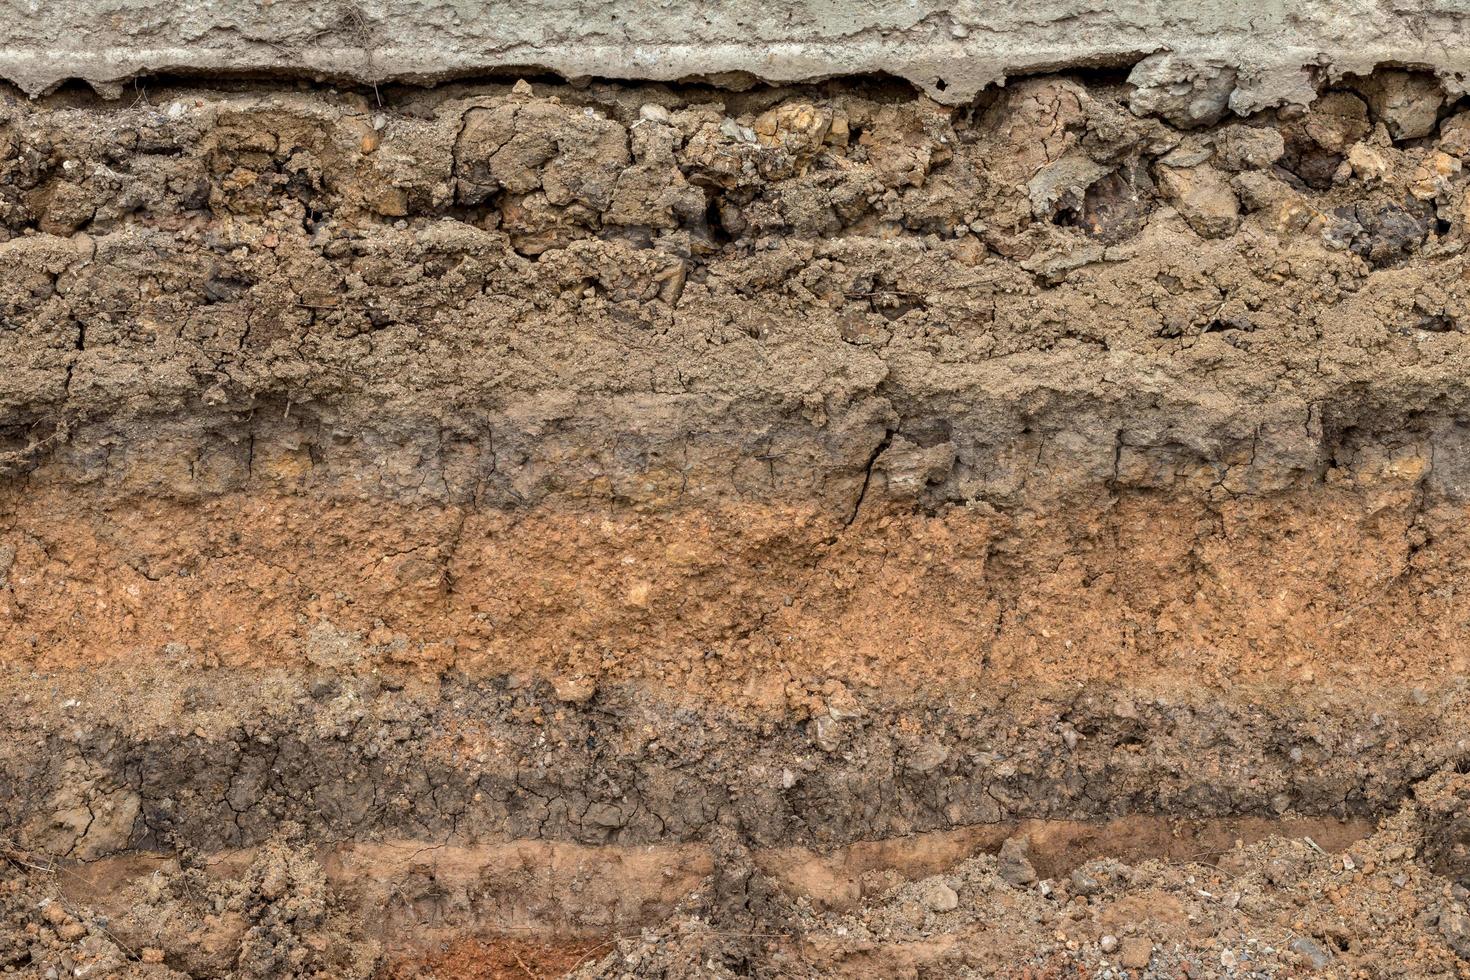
667	531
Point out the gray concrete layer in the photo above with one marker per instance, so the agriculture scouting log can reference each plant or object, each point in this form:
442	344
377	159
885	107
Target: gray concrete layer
1242	54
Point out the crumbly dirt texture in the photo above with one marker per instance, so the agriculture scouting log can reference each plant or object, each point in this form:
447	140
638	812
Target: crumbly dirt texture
642	530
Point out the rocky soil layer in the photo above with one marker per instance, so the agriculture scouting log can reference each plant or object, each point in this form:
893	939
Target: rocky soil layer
505	518
1231	899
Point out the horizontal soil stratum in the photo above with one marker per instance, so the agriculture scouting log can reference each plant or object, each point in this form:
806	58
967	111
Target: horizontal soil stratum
718	529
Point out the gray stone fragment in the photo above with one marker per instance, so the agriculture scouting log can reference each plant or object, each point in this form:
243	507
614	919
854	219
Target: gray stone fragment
1311	950
1015	862
1084	883
939	897
1455	927
1182	93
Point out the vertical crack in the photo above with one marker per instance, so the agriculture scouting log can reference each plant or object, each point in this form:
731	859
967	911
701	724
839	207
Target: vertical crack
878	450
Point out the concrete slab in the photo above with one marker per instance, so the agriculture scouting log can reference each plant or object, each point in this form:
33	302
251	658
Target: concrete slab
1251	54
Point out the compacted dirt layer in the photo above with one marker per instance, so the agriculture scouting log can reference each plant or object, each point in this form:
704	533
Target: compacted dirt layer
636	530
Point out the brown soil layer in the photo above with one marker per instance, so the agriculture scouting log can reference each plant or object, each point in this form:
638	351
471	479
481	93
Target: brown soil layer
456	529
750	605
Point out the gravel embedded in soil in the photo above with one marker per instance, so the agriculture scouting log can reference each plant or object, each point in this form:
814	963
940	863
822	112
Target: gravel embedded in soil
1391	904
1388	906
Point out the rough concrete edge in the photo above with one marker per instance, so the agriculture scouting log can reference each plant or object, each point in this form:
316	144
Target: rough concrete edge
1265	78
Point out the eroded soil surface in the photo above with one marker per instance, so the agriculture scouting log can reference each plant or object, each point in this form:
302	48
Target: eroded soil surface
632	530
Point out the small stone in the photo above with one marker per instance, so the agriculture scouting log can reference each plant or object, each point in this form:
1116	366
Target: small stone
1063	183
1015	862
798	127
1084	883
521	88
1311	951
1190	152
840	132
1135	953
390	202
638	594
842	706
654	113
1185	94
939	897
928	757
1455	927
828	732
574	690
1369	163
1109	943
1454	135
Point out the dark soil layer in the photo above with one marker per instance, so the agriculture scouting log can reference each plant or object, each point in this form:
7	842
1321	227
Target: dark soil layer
466	761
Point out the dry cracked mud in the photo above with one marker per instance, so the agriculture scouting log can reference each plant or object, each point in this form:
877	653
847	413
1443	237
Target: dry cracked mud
668	530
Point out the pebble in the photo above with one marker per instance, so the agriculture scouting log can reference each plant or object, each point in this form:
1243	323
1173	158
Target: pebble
1084	883
1204	198
574	690
1015	862
828	733
928	757
939	897
1302	946
1455	927
654	113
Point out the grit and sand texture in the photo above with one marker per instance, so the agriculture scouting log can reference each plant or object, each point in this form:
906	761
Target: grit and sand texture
708	529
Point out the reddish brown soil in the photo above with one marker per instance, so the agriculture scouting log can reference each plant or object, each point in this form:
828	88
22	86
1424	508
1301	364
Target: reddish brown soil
738	603
494	959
